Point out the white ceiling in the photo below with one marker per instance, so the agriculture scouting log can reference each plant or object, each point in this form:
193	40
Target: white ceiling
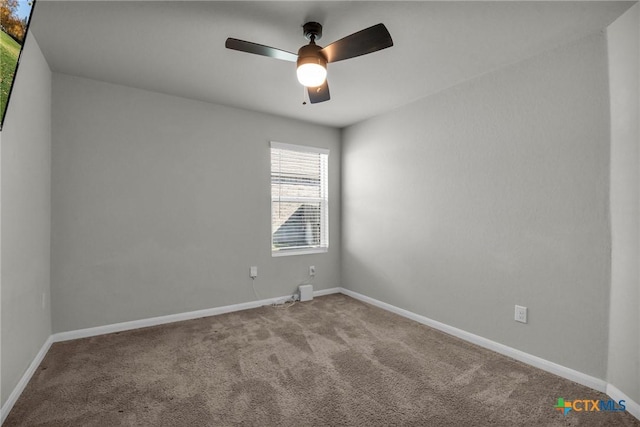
178	48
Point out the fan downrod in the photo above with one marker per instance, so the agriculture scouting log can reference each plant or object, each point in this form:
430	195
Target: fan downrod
312	31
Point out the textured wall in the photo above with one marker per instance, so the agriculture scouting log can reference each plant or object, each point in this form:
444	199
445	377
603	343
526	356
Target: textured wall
26	224
490	194
624	75
161	205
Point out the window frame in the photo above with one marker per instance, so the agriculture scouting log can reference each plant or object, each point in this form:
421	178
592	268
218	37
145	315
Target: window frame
323	201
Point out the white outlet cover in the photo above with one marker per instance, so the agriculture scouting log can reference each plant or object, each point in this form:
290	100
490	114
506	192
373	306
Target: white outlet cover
254	271
521	314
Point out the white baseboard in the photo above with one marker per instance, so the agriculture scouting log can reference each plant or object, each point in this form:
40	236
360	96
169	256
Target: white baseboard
562	371
161	320
527	358
329	291
632	407
126	326
19	388
595	383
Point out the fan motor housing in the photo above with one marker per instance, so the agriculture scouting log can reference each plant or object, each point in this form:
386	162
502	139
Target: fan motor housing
311	54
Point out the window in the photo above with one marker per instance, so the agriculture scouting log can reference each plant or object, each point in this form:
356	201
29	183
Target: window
299	199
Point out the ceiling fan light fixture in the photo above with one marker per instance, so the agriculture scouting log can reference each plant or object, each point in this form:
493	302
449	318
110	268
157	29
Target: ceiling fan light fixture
312	66
311	60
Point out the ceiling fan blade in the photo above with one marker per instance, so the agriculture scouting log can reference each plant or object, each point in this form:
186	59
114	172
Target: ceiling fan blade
319	94
258	49
366	41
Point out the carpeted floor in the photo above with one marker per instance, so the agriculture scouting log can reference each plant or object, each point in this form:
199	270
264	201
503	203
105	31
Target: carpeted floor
331	361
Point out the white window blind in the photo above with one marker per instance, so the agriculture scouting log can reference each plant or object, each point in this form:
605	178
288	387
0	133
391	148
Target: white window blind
299	199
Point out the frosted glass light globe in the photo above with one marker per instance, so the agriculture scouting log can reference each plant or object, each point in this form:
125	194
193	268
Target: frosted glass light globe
311	75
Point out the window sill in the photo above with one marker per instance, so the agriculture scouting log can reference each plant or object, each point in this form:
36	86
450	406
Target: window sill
287	252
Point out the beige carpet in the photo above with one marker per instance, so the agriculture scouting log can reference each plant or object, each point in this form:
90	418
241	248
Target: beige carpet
332	361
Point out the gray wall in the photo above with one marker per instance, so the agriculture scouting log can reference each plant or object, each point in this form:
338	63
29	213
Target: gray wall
486	195
624	74
26	205
490	194
161	205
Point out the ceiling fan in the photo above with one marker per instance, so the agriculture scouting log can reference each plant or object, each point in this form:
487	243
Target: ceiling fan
312	59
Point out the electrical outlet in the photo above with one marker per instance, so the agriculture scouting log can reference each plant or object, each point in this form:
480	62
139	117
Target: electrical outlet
312	270
521	314
254	271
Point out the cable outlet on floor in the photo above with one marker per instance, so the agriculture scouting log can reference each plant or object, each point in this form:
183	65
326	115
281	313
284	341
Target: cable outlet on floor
521	314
